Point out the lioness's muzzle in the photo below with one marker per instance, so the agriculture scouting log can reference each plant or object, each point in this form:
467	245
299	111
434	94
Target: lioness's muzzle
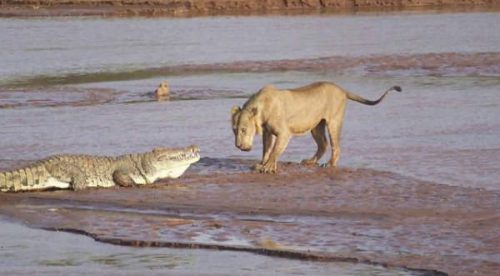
241	147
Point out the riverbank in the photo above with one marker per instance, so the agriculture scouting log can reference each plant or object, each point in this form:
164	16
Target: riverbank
344	215
218	7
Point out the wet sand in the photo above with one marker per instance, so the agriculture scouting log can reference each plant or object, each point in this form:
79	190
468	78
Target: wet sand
334	215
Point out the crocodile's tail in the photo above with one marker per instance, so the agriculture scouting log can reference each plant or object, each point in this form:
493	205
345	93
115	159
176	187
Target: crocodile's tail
362	100
23	179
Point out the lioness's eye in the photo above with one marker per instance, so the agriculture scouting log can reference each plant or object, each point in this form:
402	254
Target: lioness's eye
243	130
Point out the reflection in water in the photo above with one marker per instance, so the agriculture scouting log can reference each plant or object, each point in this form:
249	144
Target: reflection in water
163	98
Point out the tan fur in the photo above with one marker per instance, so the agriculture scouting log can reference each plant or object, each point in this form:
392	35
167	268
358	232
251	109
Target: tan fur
163	91
280	114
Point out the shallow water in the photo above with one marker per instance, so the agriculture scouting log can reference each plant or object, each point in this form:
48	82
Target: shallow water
56	46
26	251
439	129
83	85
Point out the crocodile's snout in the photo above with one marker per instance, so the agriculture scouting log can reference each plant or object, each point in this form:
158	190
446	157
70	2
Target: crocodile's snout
194	148
192	152
185	154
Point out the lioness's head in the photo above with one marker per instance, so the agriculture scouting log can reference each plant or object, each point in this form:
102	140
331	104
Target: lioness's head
245	125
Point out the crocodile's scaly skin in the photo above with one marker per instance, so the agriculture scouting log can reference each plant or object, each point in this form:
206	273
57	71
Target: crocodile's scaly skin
78	172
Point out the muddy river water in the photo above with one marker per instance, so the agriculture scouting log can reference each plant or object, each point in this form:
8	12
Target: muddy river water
417	191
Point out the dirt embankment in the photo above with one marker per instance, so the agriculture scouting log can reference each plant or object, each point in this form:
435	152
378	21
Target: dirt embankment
204	7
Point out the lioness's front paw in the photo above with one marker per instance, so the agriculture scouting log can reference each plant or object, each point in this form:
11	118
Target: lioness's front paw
268	168
257	167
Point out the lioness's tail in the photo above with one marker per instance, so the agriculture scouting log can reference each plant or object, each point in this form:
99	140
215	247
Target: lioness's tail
362	100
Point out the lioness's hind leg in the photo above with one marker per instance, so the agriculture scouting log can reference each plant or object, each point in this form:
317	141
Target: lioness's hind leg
319	136
334	130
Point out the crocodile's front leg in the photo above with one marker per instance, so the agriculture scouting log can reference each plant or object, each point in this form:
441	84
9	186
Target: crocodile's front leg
122	178
79	182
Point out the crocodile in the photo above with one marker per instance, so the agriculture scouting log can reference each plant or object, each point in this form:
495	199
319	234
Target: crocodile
78	172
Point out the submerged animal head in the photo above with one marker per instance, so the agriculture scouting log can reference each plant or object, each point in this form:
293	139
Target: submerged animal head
171	162
162	90
245	124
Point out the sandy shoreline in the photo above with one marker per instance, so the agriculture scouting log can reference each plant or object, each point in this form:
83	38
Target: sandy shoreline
29	8
352	215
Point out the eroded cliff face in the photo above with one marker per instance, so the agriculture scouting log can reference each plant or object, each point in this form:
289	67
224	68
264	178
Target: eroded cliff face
201	7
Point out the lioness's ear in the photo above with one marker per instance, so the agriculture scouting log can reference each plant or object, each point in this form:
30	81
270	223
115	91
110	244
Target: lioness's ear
235	110
254	111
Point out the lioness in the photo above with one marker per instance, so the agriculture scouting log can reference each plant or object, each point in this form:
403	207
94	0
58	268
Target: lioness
278	114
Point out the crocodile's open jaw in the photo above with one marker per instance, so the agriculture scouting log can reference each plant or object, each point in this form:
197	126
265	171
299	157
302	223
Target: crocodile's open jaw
172	163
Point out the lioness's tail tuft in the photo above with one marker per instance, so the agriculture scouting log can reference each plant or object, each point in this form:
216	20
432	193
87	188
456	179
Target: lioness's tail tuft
397	88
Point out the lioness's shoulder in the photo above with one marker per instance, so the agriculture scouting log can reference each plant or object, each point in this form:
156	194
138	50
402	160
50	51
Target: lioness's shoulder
262	94
268	89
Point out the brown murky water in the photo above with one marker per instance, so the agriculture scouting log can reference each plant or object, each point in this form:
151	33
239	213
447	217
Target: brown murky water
417	190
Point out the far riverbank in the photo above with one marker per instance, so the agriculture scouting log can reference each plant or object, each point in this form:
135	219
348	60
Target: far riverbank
29	8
